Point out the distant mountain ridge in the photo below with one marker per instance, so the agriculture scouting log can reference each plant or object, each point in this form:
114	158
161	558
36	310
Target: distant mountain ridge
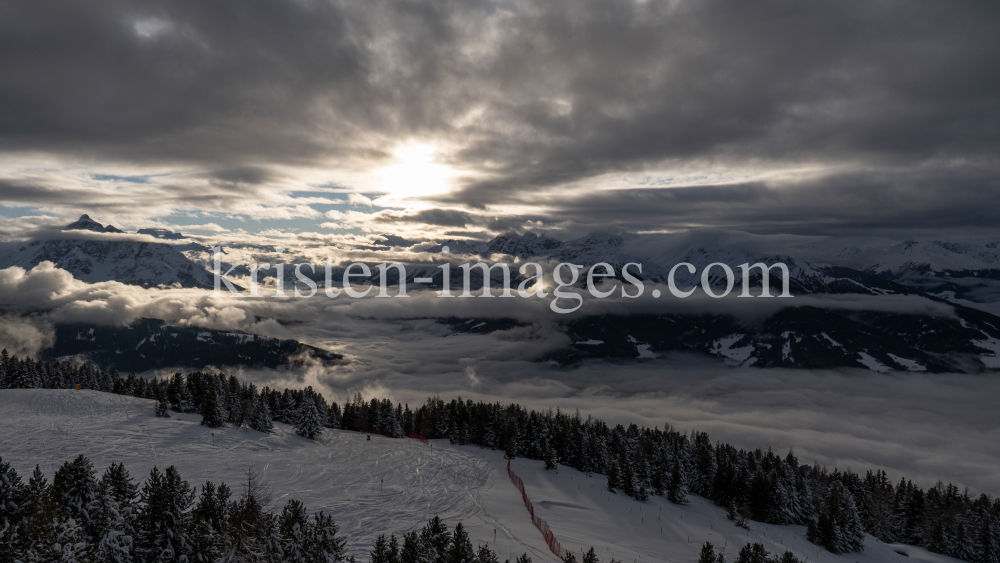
133	262
150	343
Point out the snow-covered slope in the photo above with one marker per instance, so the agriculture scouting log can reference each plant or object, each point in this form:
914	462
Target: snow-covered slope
343	473
937	256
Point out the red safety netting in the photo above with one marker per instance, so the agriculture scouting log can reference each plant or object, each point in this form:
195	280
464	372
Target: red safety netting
542	525
419	437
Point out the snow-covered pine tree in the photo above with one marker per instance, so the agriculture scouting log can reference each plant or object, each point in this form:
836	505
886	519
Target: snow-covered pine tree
461	550
731	512
68	544
987	546
838	527
114	541
161	408
486	555
292	525
74	490
614	477
164	517
395	425
412	551
676	489
14	501
752	553
385	551
333	416
707	553
629	483
307	420
253	534
289	407
704	464
213	413
324	546
261	420
550	458
591	557
434	538
123	489
234	401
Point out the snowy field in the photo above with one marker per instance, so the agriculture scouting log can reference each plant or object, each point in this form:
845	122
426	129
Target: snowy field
392	486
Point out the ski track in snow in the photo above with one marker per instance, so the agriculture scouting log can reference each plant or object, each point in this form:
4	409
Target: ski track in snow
340	473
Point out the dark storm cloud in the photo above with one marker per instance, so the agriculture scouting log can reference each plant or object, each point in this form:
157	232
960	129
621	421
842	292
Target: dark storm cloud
440	217
875	201
535	94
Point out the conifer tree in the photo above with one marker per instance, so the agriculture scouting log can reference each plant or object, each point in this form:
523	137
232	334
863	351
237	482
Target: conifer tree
164	517
74	490
987	548
838	527
434	540
252	531
324	546
461	550
707	553
114	535
412	551
333	416
14	501
292	525
210	522
676	491
161	408
550	459
752	553
486	555
261	418
212	412
307	421
385	551
614	477
591	556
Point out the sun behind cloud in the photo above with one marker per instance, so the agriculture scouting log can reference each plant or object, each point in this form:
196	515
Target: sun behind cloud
415	171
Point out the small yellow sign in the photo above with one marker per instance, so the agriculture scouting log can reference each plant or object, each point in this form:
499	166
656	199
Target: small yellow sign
77	386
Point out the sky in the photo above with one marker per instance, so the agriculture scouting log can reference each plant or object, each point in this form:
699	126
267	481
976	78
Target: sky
475	117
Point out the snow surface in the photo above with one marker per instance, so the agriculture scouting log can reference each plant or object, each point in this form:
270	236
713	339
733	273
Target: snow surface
910	365
734	356
872	363
342	472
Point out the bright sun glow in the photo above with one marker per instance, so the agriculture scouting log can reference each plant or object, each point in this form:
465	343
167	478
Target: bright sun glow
415	172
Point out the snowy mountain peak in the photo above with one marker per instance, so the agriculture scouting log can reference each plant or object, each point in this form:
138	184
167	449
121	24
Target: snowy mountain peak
161	233
85	223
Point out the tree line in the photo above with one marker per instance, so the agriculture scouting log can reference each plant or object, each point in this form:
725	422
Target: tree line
838	507
80	518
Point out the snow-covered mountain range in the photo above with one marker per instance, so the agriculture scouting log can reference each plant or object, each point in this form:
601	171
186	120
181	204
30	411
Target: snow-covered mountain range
961	275
150	344
125	260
